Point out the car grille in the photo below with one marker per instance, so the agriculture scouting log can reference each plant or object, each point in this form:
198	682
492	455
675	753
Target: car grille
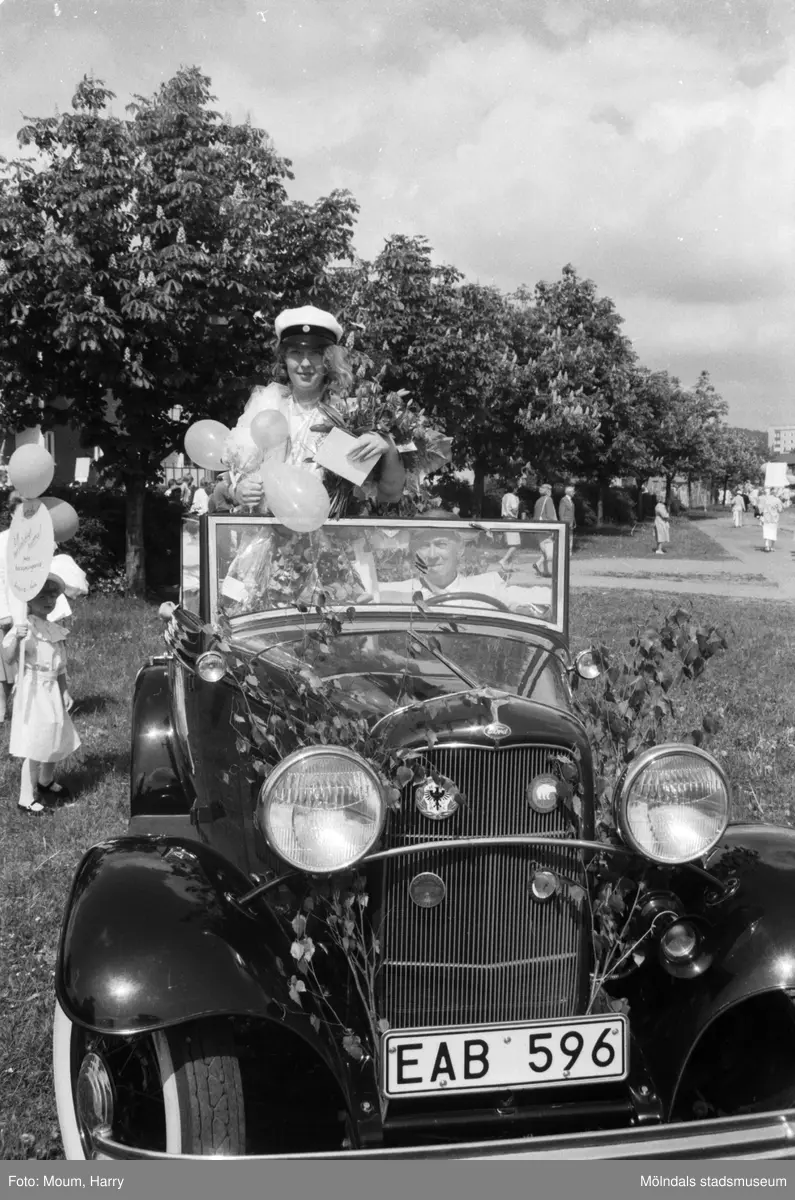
488	952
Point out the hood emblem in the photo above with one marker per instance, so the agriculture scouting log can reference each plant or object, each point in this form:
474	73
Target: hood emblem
437	799
496	729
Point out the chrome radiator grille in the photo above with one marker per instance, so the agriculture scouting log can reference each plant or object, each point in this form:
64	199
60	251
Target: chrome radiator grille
488	953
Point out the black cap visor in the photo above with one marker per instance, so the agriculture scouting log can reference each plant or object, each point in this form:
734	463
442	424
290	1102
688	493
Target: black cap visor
307	335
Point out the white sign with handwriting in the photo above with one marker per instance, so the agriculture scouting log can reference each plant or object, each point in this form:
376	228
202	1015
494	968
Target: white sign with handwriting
31	545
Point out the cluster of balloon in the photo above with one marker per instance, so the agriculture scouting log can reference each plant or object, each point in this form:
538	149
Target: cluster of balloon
297	498
204	444
37	524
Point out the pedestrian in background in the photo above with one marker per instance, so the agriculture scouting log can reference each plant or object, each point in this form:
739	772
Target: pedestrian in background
567	514
752	500
770	509
738	508
186	490
201	500
510	510
544	509
662	526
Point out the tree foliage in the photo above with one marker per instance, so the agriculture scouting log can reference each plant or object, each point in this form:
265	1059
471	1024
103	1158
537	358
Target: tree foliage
144	259
737	457
684	426
578	377
422	328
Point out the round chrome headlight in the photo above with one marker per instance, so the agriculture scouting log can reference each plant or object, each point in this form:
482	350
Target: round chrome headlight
672	803
211	666
322	809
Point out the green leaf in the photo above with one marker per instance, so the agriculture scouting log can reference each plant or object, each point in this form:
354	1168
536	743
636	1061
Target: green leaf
352	1045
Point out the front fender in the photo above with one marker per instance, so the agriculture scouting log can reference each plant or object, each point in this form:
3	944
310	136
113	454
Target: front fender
753	945
152	938
155	785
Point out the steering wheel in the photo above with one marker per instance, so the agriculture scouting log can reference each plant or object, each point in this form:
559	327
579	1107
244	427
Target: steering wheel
451	597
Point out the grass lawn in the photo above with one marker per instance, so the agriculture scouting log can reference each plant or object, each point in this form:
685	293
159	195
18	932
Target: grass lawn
749	686
110	641
618	541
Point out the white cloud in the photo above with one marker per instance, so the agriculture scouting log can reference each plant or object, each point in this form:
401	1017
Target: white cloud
637	155
648	143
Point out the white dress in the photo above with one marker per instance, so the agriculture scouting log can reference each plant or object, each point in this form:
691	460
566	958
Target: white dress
41	728
303	440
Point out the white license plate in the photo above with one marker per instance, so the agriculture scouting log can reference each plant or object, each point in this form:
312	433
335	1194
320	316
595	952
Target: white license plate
480	1058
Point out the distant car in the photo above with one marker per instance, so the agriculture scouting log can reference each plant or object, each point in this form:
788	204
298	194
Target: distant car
288	955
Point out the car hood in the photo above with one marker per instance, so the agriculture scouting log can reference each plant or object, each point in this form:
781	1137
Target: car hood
444	695
481	716
380	672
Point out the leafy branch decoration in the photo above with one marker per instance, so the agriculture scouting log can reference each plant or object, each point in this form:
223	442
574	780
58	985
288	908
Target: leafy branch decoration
627	709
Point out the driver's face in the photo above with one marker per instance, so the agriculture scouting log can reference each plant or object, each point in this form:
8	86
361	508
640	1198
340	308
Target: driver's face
437	560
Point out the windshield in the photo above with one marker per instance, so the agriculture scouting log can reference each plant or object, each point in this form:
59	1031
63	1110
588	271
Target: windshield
257	566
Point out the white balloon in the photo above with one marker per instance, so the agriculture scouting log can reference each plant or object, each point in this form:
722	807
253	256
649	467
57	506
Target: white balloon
297	498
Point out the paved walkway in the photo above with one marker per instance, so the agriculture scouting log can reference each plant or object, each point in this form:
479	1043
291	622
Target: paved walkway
748	574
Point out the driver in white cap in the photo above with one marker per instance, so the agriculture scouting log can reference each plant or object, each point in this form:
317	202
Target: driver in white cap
437	559
312	369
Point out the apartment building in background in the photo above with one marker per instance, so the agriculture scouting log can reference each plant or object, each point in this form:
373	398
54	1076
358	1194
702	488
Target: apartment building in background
781	439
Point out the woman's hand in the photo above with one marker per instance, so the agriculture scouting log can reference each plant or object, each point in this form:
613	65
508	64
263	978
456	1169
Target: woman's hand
367	446
21	631
68	702
249	491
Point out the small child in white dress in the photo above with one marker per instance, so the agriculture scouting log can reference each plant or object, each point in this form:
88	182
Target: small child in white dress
42	733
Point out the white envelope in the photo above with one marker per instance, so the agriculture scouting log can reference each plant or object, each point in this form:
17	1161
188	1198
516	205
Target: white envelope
333	451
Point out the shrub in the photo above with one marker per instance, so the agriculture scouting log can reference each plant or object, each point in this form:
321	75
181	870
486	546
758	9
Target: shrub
585	514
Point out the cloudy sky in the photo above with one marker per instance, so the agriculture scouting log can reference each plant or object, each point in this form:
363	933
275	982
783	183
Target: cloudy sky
651	143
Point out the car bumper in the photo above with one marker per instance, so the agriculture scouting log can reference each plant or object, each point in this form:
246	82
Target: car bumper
762	1135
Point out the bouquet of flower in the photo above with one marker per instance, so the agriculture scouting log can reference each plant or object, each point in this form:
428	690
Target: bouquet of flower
422	448
276	568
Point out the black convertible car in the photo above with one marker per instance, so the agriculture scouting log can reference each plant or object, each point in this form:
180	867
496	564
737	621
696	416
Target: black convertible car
360	906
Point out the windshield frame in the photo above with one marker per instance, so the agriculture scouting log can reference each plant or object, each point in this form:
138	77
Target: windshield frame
402	613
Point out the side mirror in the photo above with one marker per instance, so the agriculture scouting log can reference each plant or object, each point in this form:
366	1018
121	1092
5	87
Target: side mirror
587	664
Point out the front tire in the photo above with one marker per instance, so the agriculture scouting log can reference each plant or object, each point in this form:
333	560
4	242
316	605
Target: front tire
177	1090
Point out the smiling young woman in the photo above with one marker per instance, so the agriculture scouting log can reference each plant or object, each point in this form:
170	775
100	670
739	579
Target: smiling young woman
312	370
